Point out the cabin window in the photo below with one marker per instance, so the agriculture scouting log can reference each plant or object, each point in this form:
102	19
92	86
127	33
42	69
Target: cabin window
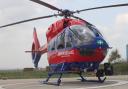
68	39
51	45
60	43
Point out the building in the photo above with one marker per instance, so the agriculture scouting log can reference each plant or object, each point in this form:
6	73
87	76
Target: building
127	52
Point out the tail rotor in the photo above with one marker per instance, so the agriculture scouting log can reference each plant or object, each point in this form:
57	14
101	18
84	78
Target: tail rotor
36	55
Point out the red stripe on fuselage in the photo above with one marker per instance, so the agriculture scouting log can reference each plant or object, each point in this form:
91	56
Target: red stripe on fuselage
73	55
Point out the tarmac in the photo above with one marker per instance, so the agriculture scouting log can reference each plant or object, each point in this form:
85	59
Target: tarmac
113	82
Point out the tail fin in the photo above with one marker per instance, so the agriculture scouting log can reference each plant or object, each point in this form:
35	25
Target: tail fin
35	47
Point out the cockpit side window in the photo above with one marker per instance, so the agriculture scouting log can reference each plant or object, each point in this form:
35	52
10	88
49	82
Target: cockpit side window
74	39
83	33
68	40
95	30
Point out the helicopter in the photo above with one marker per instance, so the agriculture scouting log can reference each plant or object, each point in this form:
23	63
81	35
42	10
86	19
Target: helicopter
73	44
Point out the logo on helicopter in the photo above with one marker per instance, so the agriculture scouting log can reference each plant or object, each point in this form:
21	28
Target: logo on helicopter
65	53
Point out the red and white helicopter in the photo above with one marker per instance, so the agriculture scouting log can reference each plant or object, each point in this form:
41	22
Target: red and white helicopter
73	44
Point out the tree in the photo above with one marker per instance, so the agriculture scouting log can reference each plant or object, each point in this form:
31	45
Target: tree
114	56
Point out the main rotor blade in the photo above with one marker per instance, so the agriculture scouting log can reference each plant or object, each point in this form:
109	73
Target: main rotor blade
78	18
47	5
19	22
110	6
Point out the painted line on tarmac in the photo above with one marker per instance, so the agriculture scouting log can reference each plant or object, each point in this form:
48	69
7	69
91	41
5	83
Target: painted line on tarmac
104	86
119	82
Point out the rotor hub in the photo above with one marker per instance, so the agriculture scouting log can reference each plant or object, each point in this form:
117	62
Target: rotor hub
66	13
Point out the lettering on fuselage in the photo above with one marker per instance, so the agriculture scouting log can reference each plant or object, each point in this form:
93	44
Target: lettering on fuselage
65	53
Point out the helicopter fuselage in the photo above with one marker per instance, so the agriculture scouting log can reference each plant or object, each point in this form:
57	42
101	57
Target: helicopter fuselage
75	44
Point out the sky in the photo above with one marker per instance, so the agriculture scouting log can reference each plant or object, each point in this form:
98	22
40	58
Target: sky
14	40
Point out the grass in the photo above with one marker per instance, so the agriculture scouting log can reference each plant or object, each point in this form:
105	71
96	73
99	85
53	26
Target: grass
19	74
119	69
